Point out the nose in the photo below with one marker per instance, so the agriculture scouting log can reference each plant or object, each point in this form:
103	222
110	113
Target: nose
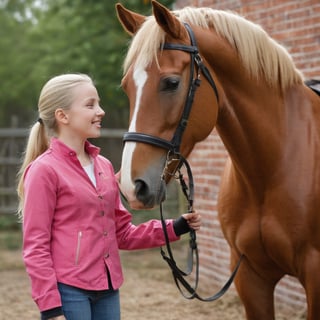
100	112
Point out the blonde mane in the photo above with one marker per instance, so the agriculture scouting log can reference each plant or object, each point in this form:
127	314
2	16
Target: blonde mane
260	54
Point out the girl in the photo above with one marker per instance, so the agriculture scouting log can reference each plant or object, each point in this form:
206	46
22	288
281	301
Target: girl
73	221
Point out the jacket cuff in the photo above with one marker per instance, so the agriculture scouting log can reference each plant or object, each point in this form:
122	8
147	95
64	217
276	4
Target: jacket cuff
51	313
180	226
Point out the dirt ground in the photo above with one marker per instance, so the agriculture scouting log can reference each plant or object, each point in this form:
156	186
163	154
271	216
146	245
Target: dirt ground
148	293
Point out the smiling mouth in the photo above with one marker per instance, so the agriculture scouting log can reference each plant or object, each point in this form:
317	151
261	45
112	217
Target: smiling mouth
97	123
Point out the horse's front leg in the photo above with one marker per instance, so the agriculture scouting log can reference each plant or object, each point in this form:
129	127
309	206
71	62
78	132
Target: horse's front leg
310	280
256	292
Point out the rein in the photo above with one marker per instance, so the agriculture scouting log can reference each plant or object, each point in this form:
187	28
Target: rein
190	292
174	155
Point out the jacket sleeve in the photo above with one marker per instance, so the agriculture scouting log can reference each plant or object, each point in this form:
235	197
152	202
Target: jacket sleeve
39	204
145	235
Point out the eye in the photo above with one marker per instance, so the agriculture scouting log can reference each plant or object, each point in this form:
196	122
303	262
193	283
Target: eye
169	84
90	104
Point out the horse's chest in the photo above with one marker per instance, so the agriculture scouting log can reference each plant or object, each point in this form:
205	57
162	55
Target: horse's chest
261	237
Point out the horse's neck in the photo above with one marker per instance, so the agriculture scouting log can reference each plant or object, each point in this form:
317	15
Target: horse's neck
262	131
259	125
251	124
249	119
251	115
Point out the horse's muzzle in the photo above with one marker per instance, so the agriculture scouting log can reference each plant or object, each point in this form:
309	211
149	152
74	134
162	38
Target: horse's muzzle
148	195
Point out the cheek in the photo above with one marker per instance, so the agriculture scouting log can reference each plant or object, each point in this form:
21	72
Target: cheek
81	122
172	106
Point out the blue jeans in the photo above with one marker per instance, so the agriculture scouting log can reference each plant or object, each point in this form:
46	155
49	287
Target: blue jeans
79	304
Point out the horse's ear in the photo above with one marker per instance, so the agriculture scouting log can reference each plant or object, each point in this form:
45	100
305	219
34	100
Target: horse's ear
130	21
167	21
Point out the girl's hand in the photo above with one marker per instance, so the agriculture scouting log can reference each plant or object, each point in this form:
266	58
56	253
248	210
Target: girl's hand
193	219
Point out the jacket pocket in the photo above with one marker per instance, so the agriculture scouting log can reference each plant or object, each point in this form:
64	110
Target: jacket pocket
78	248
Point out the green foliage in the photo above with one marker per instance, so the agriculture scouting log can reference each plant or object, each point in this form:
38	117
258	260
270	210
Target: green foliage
9	222
10	240
40	39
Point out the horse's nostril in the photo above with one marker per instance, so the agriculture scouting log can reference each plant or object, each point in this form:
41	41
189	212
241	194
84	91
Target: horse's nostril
147	195
143	193
141	188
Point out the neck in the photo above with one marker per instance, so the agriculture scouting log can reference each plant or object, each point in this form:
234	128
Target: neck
251	129
249	121
79	147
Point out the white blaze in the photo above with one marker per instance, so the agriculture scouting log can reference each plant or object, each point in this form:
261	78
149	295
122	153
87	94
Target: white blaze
127	185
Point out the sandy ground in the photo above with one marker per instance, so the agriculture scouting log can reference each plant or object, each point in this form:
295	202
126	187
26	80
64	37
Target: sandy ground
148	293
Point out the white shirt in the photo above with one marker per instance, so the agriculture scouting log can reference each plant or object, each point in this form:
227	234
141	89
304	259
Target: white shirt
90	172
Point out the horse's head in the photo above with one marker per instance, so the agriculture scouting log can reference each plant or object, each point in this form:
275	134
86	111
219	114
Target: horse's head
159	70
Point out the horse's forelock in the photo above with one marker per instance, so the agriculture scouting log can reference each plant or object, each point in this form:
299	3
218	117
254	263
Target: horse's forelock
145	45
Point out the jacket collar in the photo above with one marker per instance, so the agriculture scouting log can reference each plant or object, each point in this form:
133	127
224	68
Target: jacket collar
63	149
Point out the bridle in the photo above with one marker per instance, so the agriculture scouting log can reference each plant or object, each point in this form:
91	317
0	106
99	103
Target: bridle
174	155
174	144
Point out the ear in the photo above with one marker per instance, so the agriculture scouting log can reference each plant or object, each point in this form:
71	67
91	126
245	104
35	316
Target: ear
130	21
167	21
61	116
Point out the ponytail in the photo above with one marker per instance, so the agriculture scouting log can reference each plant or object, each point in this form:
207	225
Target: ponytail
36	145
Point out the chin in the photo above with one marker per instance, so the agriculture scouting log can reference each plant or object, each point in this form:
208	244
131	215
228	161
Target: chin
95	135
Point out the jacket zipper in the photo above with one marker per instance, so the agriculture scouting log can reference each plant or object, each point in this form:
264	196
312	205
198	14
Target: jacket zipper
78	247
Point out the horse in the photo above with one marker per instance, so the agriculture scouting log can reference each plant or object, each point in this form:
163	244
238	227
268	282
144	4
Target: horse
191	70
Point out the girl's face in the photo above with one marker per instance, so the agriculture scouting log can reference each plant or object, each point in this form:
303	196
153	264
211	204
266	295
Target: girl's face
85	114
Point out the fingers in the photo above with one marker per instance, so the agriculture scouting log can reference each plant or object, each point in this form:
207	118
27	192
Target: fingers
193	219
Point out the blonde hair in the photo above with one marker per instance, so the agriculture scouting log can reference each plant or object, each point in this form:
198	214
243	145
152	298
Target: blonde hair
56	93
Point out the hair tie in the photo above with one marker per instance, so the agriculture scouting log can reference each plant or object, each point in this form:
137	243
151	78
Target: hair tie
40	120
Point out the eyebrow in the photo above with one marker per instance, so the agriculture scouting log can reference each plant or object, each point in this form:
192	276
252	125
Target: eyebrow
92	98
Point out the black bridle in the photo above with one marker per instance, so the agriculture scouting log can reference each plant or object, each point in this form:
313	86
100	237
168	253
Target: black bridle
174	155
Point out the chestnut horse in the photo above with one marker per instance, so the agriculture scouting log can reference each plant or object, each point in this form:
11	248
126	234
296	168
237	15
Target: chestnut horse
268	120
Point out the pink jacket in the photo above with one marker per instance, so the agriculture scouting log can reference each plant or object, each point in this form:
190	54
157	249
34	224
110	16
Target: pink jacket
72	229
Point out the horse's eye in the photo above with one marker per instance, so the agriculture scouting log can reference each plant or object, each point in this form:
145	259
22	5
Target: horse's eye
169	84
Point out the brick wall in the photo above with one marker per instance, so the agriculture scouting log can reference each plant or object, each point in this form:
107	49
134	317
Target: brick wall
296	25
